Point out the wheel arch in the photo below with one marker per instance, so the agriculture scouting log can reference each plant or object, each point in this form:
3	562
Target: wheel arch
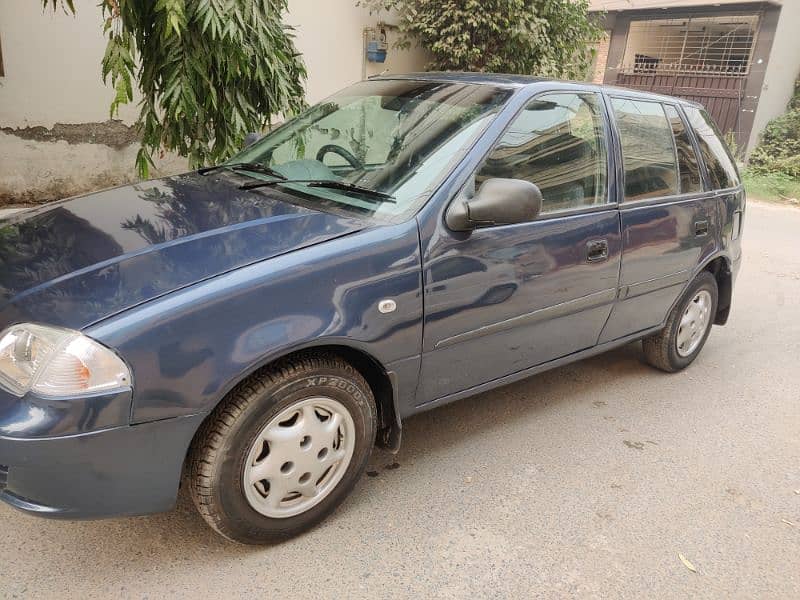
382	382
720	268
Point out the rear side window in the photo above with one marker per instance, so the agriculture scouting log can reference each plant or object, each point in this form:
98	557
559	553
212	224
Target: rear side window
688	167
719	163
648	153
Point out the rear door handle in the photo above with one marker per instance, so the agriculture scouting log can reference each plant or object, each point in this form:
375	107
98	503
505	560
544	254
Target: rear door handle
700	228
597	250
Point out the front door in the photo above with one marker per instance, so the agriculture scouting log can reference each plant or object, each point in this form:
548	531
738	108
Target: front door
501	299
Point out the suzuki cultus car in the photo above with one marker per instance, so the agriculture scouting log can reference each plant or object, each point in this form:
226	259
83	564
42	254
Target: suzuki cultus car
260	325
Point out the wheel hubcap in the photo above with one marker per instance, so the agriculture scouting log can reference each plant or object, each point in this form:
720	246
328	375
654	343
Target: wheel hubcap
299	457
694	322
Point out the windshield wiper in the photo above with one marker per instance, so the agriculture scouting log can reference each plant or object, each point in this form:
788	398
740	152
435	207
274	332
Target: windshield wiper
327	183
244	166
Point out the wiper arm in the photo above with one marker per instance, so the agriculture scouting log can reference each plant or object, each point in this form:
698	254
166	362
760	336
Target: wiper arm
352	187
327	183
244	166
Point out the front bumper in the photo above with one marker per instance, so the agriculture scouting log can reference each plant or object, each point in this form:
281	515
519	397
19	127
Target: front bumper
122	470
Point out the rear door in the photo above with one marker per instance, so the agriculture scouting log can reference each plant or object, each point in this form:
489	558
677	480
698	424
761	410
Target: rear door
504	298
723	178
669	217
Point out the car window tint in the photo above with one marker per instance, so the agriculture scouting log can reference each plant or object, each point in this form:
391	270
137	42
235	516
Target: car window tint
722	171
648	153
557	143
688	166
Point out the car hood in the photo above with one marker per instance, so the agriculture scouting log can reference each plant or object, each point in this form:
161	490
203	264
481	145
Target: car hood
78	261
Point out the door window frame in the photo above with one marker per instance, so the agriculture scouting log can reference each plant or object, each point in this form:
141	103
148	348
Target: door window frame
611	199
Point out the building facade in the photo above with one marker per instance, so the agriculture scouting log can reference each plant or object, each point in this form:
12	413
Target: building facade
739	58
56	139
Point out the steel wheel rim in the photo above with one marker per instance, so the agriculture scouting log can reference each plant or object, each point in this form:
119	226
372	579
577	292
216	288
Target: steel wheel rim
694	323
299	457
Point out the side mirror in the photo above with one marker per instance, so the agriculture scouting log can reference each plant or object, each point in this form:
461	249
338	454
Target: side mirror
250	139
498	202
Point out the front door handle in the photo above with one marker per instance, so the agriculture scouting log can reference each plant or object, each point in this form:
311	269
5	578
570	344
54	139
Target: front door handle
597	250
700	228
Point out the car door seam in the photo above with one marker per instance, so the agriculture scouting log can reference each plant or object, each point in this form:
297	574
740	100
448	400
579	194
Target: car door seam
423	317
658	283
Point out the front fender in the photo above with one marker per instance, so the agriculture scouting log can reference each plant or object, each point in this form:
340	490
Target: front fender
189	348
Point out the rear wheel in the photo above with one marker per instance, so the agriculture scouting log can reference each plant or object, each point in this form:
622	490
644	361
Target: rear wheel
687	329
283	450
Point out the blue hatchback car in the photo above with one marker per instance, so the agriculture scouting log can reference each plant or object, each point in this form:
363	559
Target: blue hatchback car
260	325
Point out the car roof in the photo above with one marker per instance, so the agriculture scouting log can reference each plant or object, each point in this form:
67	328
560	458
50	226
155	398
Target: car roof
521	81
499	79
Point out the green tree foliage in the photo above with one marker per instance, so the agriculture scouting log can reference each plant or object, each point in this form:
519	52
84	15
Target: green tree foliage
209	71
778	150
551	38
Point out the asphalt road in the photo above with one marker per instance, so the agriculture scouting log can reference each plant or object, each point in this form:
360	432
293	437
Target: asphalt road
586	481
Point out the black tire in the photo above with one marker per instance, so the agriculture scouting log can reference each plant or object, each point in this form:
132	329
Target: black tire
660	349
221	446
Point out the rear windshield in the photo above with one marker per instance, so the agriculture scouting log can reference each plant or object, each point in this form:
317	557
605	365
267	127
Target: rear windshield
721	167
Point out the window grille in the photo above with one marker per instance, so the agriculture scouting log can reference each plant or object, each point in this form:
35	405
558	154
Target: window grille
720	45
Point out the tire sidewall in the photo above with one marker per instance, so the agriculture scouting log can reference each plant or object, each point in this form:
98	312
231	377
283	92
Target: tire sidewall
705	281
242	519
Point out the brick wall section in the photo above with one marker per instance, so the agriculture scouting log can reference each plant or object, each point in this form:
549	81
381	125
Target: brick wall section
601	59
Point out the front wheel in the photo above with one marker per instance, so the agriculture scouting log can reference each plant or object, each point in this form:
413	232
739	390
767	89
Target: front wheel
283	450
677	345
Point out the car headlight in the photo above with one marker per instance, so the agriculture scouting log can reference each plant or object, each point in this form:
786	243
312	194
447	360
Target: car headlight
56	362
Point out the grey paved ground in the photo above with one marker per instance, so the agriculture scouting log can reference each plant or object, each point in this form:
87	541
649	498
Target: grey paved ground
586	481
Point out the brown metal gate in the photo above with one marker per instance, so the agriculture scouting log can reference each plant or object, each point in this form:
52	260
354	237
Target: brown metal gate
722	96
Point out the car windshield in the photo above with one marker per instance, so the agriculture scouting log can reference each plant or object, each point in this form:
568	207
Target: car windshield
398	138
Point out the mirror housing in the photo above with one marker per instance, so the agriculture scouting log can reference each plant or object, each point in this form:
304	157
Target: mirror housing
250	139
498	202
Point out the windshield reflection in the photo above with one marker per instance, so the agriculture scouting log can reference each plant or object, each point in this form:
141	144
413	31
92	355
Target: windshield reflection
398	137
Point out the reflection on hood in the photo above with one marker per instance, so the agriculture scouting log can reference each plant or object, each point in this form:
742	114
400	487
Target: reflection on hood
77	261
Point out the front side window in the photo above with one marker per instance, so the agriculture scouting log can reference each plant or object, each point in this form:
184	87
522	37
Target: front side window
648	153
557	143
722	171
398	138
688	167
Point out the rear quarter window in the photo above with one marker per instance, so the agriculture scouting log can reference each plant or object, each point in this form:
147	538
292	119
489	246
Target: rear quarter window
721	168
